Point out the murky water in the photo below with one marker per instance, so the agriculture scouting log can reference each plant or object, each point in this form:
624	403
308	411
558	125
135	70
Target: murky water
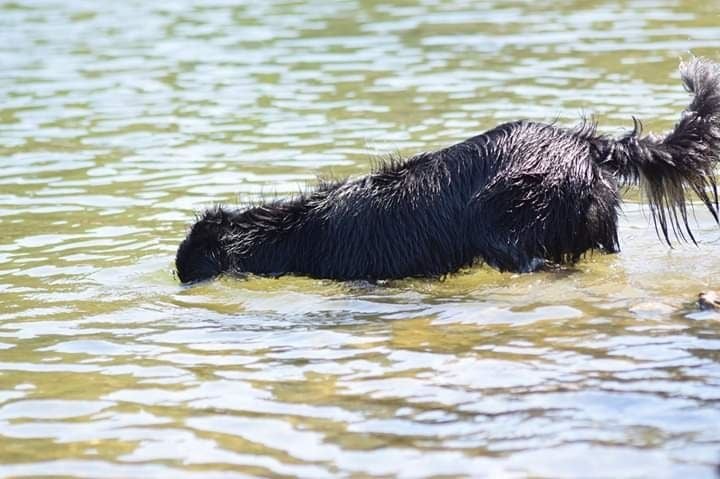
118	120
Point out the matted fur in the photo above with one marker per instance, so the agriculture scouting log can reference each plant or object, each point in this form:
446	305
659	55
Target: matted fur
516	197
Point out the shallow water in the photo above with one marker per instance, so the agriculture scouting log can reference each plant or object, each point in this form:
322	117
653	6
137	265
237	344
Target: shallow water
118	120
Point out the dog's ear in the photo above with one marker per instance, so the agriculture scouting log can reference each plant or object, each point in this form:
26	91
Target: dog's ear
209	225
214	216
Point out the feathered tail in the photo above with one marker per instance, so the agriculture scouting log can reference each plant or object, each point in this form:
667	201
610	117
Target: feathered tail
685	158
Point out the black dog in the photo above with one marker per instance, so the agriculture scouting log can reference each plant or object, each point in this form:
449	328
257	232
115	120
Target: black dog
516	197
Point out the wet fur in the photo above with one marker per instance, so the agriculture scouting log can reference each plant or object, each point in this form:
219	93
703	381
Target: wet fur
516	197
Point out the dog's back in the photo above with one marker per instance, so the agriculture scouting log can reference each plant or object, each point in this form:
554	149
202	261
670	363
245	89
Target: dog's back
405	219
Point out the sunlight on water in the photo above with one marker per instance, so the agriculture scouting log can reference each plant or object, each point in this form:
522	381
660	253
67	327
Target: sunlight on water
120	120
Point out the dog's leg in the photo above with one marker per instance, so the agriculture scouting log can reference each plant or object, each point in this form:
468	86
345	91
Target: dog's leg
502	250
602	218
521	221
503	231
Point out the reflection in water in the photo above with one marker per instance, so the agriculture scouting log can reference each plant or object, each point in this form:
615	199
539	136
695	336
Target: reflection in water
118	120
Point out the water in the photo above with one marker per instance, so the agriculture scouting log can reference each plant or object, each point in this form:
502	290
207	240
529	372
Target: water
118	120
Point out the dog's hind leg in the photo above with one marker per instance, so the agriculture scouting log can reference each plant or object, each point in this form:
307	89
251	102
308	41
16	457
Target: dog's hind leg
504	251
521	221
503	230
602	219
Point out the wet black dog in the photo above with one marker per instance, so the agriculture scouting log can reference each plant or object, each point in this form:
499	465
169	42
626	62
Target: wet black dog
516	197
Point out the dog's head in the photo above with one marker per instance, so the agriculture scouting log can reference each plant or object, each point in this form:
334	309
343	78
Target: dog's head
202	254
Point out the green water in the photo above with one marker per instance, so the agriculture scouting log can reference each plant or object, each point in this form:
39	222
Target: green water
119	120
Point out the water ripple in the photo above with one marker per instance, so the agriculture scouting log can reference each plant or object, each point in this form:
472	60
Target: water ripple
112	138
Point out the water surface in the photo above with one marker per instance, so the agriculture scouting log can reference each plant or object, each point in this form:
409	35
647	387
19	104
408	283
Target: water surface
119	120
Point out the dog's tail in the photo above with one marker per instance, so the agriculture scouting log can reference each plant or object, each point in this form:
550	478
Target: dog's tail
684	159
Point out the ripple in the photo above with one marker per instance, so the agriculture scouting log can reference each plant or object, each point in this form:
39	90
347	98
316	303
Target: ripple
50	409
113	138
